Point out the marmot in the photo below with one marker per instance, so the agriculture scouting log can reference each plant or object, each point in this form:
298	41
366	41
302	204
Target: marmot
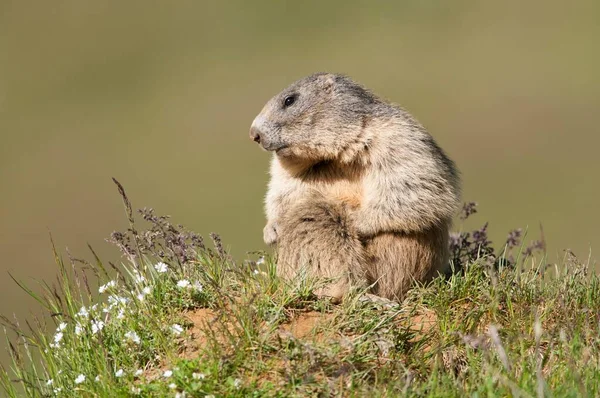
359	190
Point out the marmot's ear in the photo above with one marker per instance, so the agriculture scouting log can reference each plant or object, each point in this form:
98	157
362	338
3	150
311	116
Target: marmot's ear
327	82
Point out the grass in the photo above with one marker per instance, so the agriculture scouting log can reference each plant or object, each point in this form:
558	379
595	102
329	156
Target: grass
179	318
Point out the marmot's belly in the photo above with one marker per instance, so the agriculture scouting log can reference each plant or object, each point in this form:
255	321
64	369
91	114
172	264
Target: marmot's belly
316	239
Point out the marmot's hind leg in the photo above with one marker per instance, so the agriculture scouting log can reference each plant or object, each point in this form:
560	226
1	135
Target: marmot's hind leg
398	260
315	236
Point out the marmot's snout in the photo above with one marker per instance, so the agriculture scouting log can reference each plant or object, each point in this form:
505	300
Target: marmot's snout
261	132
255	134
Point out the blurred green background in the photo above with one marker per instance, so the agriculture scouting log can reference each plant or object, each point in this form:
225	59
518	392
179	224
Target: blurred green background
161	95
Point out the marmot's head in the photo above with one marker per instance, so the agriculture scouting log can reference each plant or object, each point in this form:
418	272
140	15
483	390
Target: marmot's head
319	117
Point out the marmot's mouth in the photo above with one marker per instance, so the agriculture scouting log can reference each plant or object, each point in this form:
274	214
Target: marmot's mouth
277	150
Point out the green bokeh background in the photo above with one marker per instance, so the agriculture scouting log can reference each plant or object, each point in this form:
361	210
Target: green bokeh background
161	95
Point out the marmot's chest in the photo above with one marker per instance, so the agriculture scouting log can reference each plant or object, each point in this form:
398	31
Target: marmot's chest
337	183
349	193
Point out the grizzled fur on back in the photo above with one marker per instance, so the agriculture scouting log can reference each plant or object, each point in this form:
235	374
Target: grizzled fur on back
396	187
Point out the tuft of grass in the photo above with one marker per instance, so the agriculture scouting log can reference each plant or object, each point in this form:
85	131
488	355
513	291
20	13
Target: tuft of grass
179	318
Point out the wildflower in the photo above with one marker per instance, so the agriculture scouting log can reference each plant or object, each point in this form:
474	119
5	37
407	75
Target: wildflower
137	277
49	382
237	383
83	312
176	329
57	390
172	386
62	326
97	379
121	314
106	286
136	390
180	394
78	329
80	379
140	297
119	373
256	272
514	238
147	290
58	337
116	300
468	209
198	376
161	267
260	261
97	326
197	286
168	373
94	307
183	283
132	336
138	372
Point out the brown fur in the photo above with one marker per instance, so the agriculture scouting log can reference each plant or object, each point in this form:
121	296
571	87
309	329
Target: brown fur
316	237
359	191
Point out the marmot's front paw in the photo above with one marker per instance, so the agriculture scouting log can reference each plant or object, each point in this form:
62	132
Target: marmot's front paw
270	233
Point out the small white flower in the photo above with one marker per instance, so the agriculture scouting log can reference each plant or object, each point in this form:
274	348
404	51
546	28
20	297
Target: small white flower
161	267
138	372
106	286
237	383
180	394
256	272
49	382
183	283
168	373
118	300
137	277
119	373
136	390
176	329
83	312
97	379
94	307
80	379
260	261
57	390
147	290
78	329
132	336
172	386
197	286
140	297
121	314
58	337
198	376
97	326
62	326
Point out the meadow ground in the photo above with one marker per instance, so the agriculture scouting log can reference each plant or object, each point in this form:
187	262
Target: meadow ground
180	318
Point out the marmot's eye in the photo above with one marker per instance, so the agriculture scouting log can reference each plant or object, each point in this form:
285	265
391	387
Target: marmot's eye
289	100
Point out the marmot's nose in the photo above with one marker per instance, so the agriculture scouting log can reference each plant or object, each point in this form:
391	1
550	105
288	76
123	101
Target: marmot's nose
255	134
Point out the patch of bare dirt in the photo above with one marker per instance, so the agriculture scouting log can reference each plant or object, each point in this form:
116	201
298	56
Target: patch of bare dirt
306	325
